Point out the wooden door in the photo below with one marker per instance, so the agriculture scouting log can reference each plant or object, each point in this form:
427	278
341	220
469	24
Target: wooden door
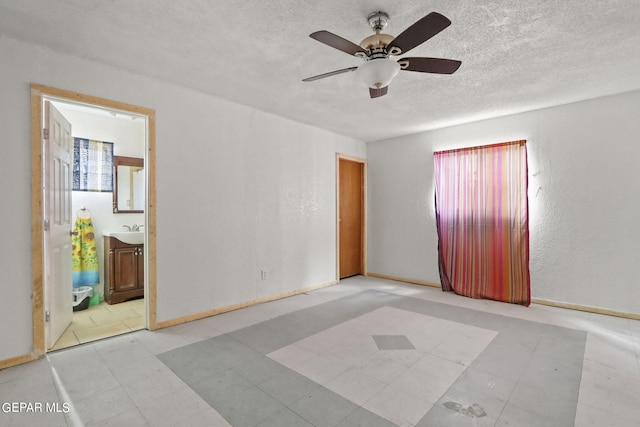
58	157
351	214
126	269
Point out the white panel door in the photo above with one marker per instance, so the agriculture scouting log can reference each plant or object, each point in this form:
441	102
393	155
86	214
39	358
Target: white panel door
58	158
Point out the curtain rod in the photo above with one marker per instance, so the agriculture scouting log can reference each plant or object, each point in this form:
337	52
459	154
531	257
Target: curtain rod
478	147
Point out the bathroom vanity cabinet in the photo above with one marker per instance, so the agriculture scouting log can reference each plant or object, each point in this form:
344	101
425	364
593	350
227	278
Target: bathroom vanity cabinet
124	272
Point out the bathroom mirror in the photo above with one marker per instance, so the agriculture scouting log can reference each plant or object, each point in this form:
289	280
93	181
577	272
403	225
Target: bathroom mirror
128	192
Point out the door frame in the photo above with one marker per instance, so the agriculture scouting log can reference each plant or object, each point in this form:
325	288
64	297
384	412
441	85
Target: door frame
340	156
38	92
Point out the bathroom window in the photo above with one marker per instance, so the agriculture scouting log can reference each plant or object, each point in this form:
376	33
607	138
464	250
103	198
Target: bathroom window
92	165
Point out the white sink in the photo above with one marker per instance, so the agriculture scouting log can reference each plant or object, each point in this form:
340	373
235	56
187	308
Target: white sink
130	237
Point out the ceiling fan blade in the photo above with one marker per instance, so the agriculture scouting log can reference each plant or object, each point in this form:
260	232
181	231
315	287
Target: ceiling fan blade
378	92
430	65
337	42
419	32
329	74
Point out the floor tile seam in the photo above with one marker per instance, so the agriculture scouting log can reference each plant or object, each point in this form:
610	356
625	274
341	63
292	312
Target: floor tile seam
318	386
589	384
118	414
455	413
564	359
524	367
21	378
546	392
485	417
611	416
596	387
113	372
286	404
608	410
54	383
144	415
574	396
451	361
296	339
93	396
529	411
461	321
614	357
63	396
544	415
70	375
357	407
511	316
183	385
406	368
576	377
614	372
389	385
120	348
487	372
228	350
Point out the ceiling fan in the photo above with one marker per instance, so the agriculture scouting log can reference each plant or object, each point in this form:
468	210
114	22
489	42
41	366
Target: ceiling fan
378	69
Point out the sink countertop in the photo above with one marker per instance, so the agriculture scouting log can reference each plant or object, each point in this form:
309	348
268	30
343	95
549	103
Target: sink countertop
129	237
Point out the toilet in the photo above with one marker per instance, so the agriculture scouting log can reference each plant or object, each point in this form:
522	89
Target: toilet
81	297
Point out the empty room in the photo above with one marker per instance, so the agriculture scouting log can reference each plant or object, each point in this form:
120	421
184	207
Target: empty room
286	213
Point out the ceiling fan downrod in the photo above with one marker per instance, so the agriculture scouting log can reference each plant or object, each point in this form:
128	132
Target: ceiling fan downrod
376	44
378	20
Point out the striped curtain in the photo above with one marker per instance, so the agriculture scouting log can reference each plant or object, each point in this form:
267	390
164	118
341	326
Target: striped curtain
483	222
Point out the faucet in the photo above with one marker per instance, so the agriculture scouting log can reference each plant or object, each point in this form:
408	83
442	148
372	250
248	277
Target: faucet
134	227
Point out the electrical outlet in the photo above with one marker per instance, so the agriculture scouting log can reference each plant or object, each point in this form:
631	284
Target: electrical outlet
263	275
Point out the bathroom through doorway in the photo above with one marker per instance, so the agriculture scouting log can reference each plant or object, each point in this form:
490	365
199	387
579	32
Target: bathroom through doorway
70	306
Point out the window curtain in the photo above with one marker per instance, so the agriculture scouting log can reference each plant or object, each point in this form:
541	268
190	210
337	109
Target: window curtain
92	165
483	222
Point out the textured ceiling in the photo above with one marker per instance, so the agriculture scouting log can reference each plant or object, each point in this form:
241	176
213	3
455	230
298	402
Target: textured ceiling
516	55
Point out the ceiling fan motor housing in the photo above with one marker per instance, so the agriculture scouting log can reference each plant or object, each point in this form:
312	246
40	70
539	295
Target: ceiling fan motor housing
376	42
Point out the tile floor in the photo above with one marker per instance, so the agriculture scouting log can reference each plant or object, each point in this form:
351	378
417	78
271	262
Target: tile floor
366	352
103	321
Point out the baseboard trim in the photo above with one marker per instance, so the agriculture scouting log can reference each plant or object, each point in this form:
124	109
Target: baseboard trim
18	360
404	279
586	308
550	303
209	313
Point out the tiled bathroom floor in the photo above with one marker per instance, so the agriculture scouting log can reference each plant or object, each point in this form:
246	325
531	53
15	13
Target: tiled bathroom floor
103	321
366	352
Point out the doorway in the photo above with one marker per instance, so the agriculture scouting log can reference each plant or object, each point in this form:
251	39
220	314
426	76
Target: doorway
351	227
47	301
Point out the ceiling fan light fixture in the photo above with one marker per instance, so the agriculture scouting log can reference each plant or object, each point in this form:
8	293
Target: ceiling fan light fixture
377	73
378	70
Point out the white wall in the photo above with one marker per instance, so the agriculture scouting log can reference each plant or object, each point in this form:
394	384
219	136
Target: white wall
128	137
238	190
584	200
